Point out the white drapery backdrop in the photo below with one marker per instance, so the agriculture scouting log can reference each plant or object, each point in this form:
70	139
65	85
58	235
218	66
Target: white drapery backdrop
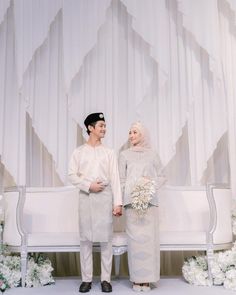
147	60
12	106
169	63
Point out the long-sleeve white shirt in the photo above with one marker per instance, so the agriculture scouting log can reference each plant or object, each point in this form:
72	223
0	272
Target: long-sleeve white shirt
89	164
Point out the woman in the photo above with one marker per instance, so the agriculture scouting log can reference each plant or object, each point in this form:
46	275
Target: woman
141	177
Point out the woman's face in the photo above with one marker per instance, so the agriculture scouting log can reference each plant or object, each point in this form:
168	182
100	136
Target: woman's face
135	136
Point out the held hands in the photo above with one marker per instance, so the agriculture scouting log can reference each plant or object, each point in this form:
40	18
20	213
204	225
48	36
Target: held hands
97	186
117	210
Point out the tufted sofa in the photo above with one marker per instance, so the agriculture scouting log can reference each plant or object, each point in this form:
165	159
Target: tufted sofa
45	219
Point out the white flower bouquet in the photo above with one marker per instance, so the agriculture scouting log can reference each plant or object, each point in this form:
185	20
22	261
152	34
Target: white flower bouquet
223	269
9	272
142	194
39	272
195	271
233	215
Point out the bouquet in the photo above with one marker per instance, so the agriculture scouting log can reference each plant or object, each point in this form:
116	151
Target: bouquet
142	194
39	272
223	268
233	215
195	269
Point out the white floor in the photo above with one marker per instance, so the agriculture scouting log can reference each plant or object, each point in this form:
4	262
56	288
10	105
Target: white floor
167	286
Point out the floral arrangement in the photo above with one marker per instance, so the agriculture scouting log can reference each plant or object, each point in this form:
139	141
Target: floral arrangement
223	270
195	269
233	215
38	272
142	194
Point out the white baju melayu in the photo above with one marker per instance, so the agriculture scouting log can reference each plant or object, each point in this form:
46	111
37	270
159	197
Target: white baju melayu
142	232
89	164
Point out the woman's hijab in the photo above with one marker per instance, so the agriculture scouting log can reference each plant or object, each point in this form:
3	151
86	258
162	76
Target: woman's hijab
144	143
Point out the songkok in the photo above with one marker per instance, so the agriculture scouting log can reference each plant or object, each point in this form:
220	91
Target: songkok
94	117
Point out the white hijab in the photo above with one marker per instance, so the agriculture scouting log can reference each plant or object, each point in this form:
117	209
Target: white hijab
144	143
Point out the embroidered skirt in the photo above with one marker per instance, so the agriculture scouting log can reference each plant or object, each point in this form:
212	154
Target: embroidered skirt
143	245
95	216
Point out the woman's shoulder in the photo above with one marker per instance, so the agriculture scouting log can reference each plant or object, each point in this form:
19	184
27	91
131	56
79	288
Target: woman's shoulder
153	152
126	153
156	158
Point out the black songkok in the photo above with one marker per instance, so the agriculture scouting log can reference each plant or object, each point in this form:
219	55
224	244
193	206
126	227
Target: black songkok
94	117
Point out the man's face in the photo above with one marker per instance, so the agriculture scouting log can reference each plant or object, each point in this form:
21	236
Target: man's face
99	130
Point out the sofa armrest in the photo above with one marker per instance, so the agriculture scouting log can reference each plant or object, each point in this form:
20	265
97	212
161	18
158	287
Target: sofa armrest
21	190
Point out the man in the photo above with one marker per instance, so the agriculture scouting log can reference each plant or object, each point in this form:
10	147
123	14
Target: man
93	169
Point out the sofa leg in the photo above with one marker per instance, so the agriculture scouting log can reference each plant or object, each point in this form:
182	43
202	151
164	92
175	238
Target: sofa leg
23	267
117	265
210	258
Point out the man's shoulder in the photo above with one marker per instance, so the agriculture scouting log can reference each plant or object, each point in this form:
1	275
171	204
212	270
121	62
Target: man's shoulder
79	148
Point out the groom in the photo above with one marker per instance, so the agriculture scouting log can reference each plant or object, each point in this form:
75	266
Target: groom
93	169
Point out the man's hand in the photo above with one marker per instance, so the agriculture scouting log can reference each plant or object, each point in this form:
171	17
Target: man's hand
96	186
117	210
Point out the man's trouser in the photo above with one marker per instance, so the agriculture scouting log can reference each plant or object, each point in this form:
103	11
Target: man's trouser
86	260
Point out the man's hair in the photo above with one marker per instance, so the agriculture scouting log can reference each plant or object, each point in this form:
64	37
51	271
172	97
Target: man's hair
91	124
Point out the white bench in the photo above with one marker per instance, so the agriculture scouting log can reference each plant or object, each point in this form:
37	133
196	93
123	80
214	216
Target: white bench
46	220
